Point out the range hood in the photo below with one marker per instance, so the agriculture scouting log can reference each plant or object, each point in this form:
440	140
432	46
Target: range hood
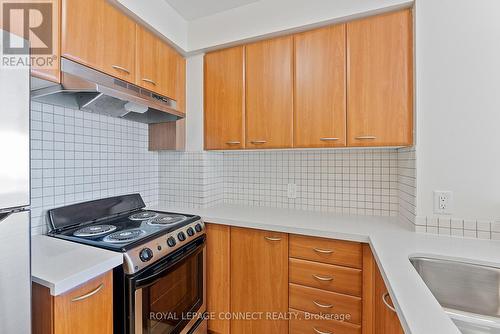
90	90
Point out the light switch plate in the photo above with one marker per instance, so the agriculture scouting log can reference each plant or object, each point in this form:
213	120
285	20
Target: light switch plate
443	202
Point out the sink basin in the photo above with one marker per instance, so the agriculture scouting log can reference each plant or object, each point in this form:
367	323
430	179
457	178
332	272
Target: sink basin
469	293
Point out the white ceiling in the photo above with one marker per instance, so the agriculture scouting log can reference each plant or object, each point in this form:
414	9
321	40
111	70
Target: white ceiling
194	9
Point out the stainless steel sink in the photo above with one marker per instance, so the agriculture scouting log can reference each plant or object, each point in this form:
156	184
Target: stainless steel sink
469	293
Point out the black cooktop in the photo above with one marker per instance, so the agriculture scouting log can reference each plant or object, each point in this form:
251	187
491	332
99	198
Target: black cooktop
100	223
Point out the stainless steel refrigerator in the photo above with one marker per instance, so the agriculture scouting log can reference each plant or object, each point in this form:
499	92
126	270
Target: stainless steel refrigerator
15	273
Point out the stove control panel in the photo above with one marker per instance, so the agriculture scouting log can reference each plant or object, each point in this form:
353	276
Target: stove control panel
138	258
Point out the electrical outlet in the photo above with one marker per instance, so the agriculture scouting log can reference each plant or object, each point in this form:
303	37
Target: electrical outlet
443	202
292	190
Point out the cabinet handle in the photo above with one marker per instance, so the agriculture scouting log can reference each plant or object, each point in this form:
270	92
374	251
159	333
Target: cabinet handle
119	68
322	305
329	139
272	239
323	251
320	332
149	81
257	142
323	278
88	295
365	138
384	299
233	143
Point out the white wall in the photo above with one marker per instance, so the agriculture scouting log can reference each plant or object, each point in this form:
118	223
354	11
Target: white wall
162	17
194	103
458	105
271	16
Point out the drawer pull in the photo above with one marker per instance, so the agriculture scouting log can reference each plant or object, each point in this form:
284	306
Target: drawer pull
323	278
329	139
323	251
272	239
322	305
384	299
149	81
88	295
119	68
233	143
258	142
320	332
365	138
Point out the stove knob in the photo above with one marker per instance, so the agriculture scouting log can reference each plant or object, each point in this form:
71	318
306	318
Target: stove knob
146	254
181	236
171	242
198	227
190	231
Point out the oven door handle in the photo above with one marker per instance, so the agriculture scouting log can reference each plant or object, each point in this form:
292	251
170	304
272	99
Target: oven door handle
141	283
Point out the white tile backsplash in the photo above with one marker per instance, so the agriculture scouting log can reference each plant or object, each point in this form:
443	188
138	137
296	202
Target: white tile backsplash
79	156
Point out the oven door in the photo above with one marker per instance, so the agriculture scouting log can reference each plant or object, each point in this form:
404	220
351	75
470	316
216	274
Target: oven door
169	297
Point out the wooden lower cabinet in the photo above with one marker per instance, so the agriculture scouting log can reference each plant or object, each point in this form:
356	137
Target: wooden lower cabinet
303	323
87	309
386	320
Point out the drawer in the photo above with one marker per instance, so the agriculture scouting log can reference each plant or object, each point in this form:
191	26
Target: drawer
306	323
343	253
313	300
325	276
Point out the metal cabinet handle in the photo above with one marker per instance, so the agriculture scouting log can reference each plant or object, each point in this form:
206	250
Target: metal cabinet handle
323	278
320	332
119	68
90	294
323	251
272	239
365	137
257	142
233	143
149	81
384	299
329	139
318	304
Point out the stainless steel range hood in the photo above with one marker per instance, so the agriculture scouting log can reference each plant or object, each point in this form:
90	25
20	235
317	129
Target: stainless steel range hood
90	90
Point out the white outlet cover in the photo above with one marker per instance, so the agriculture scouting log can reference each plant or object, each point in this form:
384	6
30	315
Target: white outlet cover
443	202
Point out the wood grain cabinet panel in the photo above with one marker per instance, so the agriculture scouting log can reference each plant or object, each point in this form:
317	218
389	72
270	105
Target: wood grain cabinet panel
386	320
99	35
269	93
218	276
259	279
320	88
148	60
317	324
83	310
380	83
224	99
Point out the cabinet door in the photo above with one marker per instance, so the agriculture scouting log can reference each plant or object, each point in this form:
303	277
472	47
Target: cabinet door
119	43
218	276
224	99
168	68
386	319
259	279
380	84
82	31
320	88
269	93
86	309
148	60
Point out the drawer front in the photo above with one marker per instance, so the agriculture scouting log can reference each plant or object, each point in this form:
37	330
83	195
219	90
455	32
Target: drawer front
326	277
344	307
310	324
343	253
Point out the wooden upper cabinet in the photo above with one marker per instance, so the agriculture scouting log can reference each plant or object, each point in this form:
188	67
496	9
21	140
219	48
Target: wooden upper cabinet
169	64
99	35
269	93
379	80
224	99
320	88
259	279
148	60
